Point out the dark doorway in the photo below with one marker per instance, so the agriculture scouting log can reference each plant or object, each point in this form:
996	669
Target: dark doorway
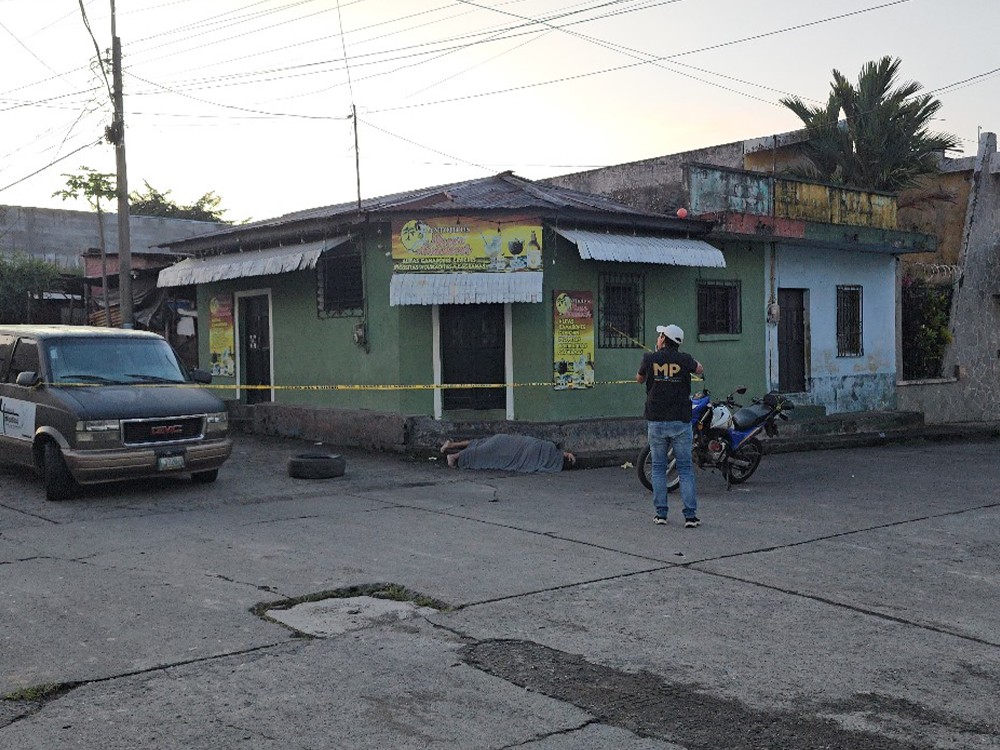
472	351
792	341
255	346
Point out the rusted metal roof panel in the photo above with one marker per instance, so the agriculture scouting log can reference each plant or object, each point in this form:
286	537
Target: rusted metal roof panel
243	265
671	251
464	288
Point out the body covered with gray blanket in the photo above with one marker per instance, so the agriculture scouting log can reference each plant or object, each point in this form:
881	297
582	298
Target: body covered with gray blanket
511	453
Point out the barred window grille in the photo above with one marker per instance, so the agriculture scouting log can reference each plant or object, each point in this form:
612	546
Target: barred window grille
719	307
849	322
620	311
340	283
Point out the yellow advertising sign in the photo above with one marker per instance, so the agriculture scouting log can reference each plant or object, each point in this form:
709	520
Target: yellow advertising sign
220	335
573	337
449	244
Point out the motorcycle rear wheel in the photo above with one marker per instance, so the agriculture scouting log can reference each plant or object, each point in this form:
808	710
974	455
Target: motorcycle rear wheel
744	461
644	467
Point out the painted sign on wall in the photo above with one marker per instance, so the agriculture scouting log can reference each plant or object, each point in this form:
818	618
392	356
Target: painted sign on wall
457	243
220	335
573	337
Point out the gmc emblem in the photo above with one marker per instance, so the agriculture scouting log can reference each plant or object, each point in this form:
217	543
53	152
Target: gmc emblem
166	430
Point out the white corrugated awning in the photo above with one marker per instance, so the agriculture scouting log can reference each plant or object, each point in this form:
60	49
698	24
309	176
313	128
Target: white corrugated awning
624	248
241	265
464	288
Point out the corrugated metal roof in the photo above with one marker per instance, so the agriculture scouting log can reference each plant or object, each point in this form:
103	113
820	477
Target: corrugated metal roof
464	288
497	192
671	251
241	265
502	192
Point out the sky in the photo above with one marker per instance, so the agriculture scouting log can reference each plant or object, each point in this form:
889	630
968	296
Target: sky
284	105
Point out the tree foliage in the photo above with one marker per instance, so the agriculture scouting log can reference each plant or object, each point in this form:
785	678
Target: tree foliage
873	135
155	202
91	185
22	280
925	332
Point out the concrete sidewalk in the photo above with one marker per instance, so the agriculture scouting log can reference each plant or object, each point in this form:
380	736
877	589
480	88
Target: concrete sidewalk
596	442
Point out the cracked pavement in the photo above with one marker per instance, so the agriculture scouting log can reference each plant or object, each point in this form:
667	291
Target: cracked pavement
839	599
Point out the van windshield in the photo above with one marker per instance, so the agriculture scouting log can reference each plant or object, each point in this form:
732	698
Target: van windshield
113	360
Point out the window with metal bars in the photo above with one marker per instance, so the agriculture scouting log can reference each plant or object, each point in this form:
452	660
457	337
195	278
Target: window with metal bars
620	311
340	283
719	307
849	322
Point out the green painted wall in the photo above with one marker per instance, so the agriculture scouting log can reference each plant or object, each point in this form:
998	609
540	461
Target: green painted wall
670	297
313	351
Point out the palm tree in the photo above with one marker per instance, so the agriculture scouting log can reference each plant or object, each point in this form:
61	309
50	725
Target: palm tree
874	135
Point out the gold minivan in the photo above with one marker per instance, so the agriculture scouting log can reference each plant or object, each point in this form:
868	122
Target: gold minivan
84	405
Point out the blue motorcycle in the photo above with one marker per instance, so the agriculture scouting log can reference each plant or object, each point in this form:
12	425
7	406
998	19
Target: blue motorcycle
726	437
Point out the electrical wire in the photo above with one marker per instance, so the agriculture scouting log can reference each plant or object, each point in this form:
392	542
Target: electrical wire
52	163
420	145
97	48
238	109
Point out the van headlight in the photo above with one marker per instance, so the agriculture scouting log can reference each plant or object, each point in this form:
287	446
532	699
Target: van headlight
217	422
98	430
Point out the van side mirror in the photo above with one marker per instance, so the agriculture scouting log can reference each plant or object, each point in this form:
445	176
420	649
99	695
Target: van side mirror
201	376
28	379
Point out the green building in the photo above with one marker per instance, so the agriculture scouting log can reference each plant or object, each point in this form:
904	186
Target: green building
492	300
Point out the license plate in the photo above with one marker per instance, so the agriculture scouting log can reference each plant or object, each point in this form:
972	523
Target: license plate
168	463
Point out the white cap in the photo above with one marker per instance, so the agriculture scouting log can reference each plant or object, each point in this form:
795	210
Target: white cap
672	332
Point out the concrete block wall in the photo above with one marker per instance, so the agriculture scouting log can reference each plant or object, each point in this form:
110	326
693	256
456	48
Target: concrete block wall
973	358
62	236
651	184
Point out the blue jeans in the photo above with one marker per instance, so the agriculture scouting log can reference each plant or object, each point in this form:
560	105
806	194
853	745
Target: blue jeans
662	435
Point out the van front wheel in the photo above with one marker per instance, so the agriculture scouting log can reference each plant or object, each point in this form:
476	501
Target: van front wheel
59	483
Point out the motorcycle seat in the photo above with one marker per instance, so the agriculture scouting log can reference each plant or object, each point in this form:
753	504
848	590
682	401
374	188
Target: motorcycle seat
751	416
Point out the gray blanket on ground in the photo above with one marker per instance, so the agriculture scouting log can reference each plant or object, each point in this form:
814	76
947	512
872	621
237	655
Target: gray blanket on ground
512	453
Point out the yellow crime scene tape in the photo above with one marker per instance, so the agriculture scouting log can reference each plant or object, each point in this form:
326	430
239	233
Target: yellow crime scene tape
353	387
340	386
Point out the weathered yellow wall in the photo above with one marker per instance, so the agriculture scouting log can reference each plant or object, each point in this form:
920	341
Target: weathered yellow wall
768	160
831	205
938	207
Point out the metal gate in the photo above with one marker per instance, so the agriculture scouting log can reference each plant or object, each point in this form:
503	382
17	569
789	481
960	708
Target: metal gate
472	351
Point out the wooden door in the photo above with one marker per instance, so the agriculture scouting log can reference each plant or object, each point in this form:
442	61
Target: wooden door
472	351
792	341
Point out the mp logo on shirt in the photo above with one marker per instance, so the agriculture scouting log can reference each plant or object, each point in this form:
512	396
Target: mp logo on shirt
666	370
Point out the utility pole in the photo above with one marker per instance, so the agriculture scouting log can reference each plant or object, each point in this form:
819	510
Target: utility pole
357	154
116	134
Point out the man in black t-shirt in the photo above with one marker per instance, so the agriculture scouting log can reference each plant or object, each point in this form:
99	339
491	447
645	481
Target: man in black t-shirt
667	374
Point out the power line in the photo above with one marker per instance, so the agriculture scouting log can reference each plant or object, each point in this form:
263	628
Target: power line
97	48
234	107
426	148
52	163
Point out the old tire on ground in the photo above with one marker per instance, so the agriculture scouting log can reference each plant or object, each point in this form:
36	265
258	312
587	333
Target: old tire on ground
59	483
316	465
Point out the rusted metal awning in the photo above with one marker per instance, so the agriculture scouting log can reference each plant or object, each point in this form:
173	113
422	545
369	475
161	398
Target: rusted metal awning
626	248
464	288
241	265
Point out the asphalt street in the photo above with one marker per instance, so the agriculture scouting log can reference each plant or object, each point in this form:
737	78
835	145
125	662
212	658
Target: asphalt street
841	599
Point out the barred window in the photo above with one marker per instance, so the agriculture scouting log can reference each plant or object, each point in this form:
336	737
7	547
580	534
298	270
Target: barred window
719	305
849	322
620	311
340	283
